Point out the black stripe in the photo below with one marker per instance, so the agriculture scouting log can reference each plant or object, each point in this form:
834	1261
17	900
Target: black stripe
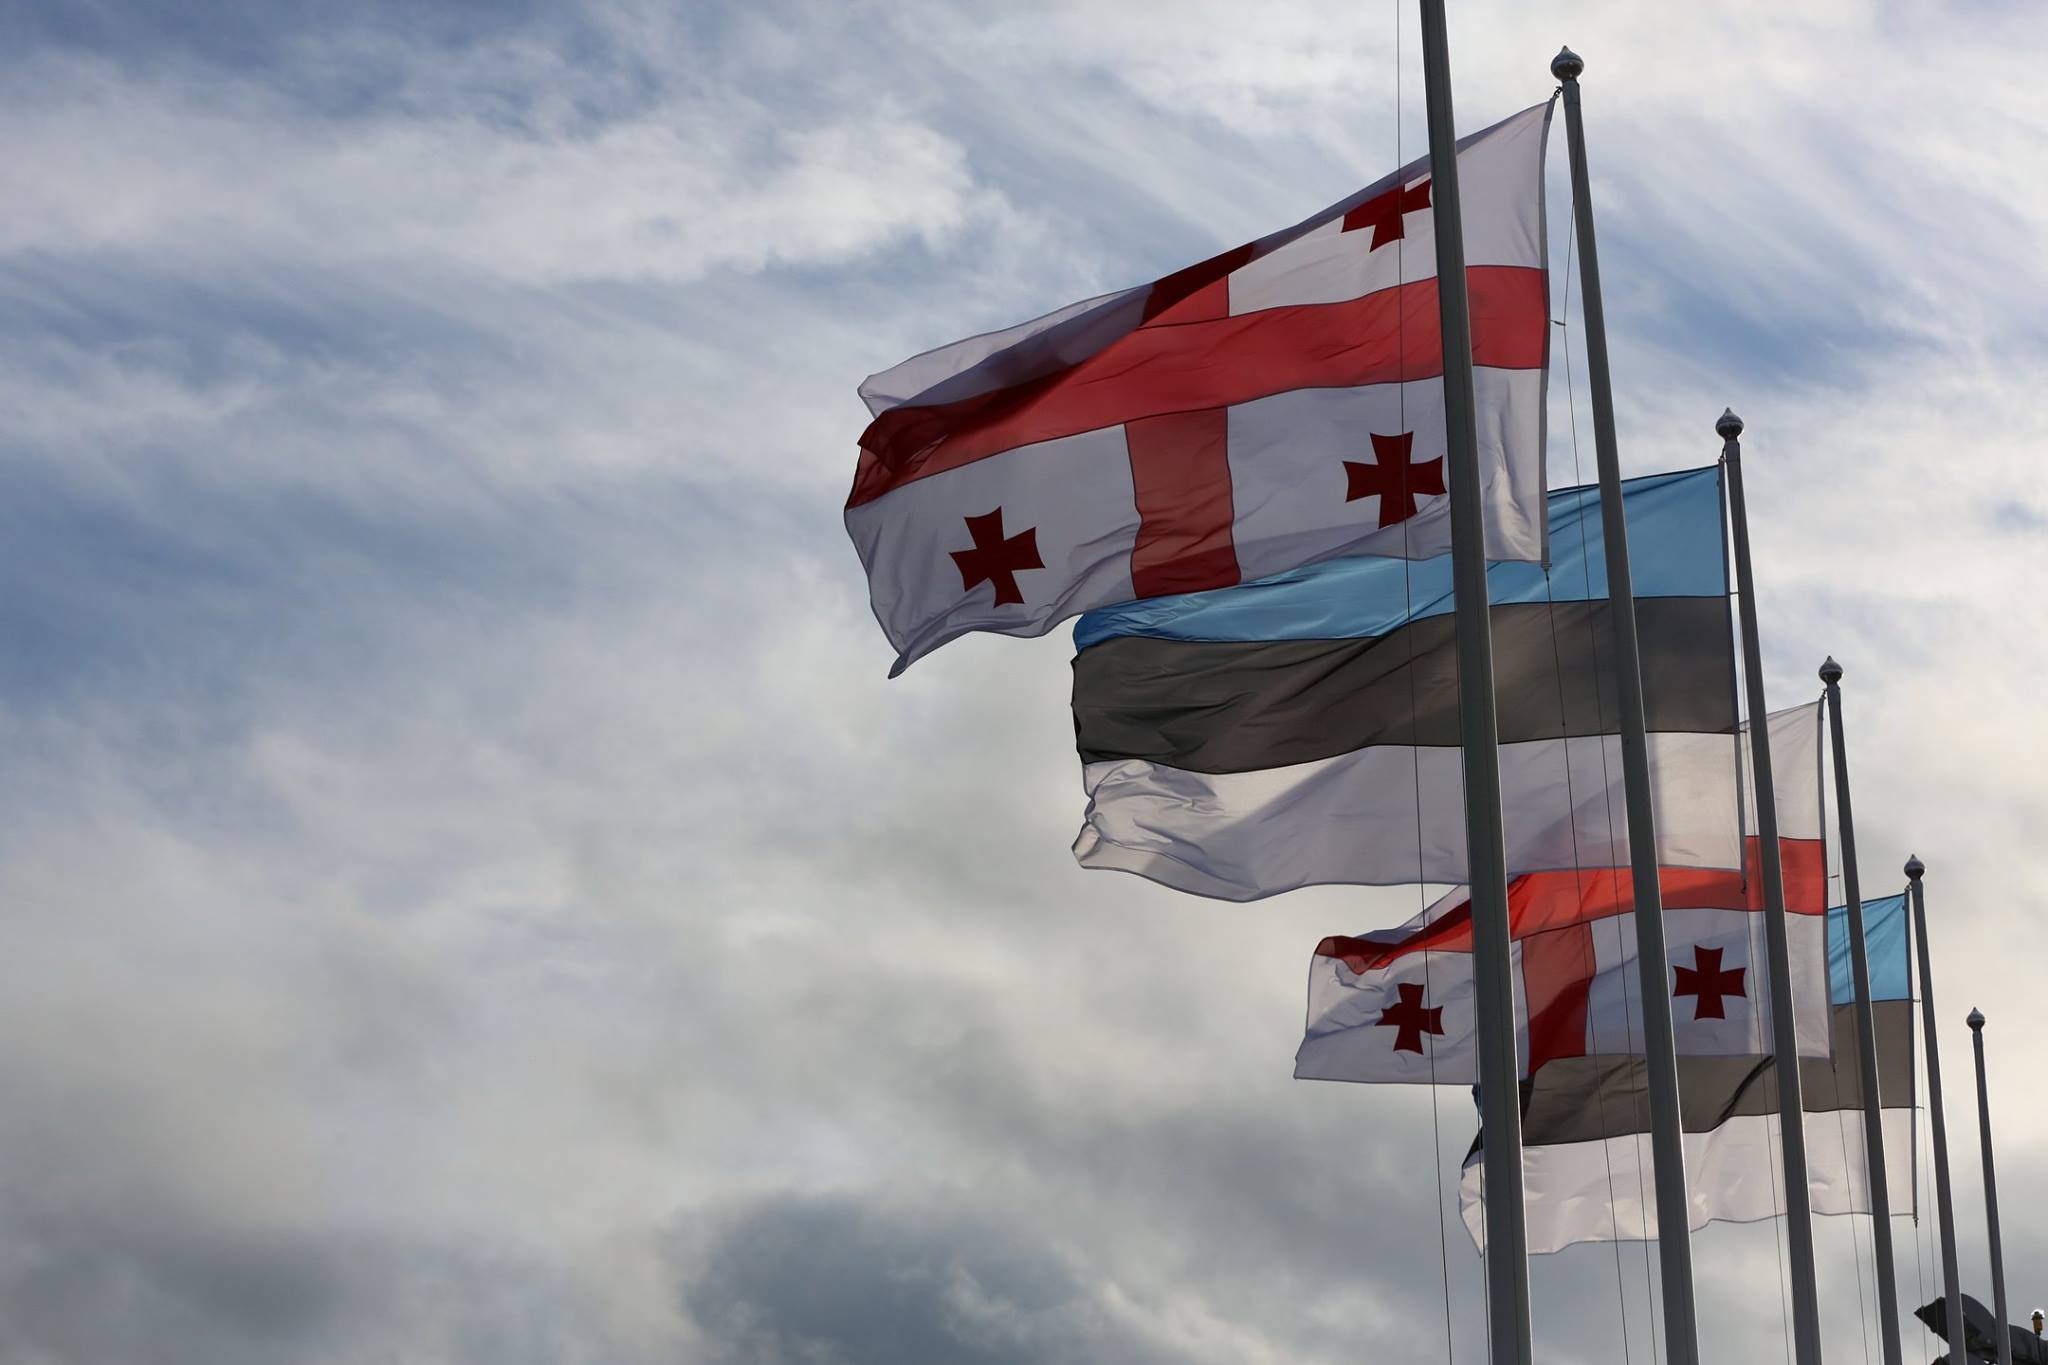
1584	1099
1237	706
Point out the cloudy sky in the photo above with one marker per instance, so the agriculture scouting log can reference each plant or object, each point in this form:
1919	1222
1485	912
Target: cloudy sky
467	889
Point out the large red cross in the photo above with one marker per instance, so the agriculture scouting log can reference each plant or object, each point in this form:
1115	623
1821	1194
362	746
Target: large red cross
1383	213
1706	982
1393	478
996	558
1409	1016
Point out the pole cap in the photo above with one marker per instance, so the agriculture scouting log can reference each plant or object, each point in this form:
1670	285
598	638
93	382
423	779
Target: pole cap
1729	426
1976	1020
1567	64
1914	867
1830	671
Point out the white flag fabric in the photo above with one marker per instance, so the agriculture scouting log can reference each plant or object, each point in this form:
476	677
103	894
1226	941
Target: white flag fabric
1279	404
1605	1190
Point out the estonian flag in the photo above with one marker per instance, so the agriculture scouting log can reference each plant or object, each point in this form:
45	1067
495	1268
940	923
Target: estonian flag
1303	729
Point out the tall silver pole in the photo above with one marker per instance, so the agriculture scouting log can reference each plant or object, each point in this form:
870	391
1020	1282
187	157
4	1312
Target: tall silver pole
1660	1054
1500	1094
1784	1028
1866	1037
1976	1023
1944	1205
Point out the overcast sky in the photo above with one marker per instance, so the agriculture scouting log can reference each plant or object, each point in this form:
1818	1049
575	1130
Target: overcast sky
467	889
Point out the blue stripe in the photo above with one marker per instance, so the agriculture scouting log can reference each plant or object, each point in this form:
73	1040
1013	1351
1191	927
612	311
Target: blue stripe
1674	537
1884	937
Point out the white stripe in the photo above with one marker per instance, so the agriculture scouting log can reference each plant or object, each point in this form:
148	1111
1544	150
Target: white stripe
1595	1191
1354	818
1795	772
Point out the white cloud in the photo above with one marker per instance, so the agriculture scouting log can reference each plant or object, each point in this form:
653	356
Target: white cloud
462	861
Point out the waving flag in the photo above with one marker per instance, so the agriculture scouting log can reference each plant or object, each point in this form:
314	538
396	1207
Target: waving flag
1585	1121
1304	729
1398	1005
1382	1010
1279	404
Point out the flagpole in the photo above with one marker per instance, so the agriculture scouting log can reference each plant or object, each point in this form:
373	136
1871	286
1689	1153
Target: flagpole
1660	1054
1875	1169
1944	1205
1784	1023
1500	1093
1976	1023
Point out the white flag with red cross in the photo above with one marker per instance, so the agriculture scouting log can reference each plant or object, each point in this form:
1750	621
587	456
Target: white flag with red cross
1276	405
1399	1006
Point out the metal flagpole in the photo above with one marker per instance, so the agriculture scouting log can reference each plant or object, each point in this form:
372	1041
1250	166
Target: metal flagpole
1784	1030
1660	1056
1944	1205
1500	1092
1976	1023
1866	1037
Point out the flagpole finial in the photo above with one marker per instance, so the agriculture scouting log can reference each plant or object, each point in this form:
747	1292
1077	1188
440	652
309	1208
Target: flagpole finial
1730	426
1830	671
1567	64
1976	1020
1914	867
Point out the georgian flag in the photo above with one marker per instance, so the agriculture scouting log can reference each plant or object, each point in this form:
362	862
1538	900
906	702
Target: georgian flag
1398	1006
1276	405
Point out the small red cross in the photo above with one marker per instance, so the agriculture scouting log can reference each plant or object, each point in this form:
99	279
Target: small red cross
1383	213
1707	982
995	558
1408	1015
1393	478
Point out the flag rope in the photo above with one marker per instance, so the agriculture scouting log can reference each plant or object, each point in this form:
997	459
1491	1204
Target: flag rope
1436	1145
1571	803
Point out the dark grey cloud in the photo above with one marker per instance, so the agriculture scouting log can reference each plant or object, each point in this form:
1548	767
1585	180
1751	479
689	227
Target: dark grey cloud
795	1279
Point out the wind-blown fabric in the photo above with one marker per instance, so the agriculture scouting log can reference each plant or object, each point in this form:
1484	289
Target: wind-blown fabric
1303	729
1278	404
1403	1011
1397	1006
1587	1170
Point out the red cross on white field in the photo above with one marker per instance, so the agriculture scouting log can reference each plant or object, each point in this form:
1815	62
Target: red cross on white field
1410	1018
1707	982
1384	213
1393	477
995	558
